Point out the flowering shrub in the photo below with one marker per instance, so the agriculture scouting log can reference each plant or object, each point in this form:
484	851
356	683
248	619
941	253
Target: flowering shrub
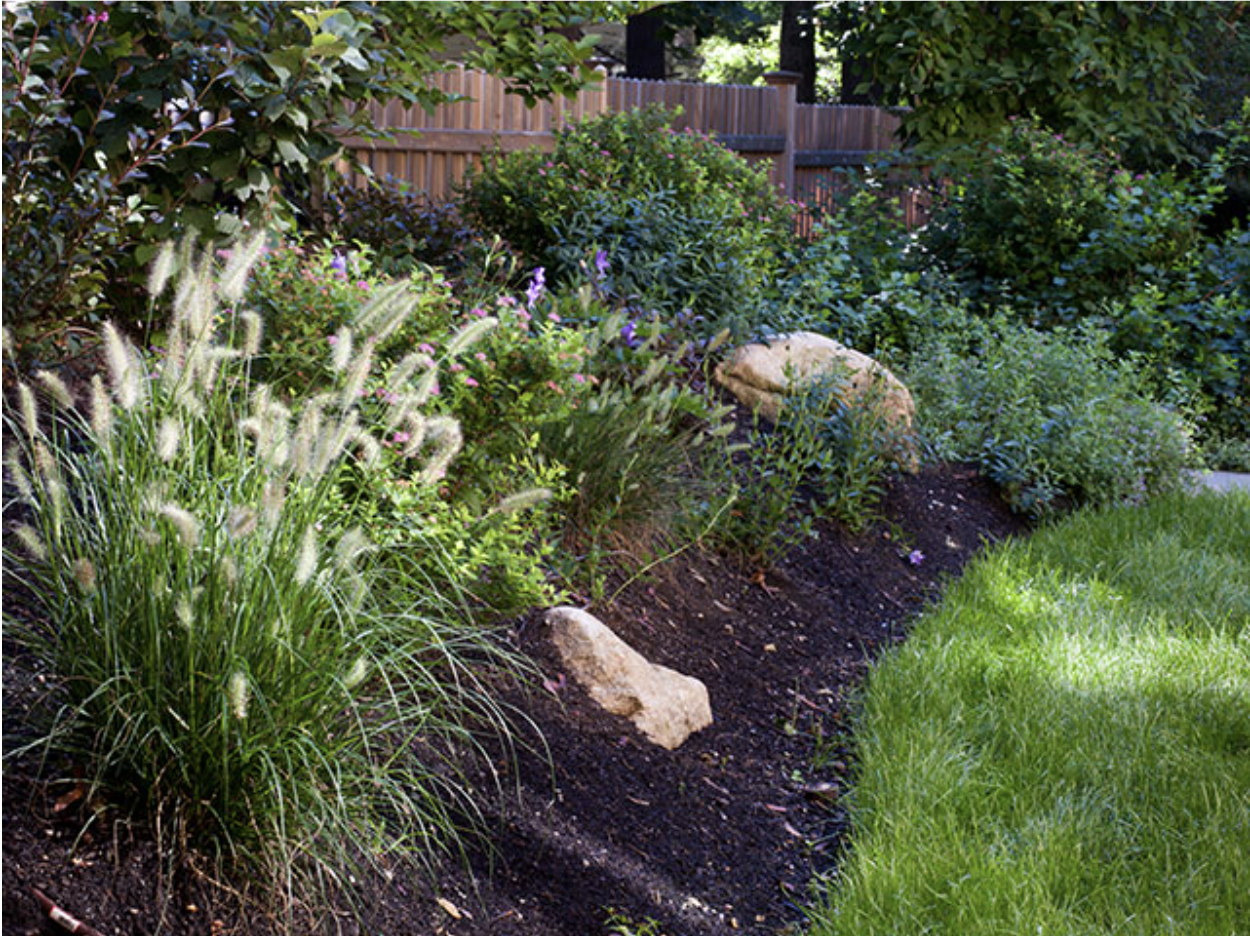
685	222
1050	416
306	295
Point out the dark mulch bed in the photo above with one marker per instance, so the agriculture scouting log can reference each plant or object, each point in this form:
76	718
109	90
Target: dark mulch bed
723	835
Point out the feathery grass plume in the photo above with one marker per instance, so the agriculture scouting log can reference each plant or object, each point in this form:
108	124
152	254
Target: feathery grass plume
17	474
272	500
444	433
277	419
239	691
242	258
332	442
44	462
101	414
57	389
654	369
351	545
306	433
30	410
356	675
6	341
202	301
407	366
229	571
389	308
31	542
341	353
184	522
357	374
717	342
426	387
470	334
306	563
414	424
255	427
162	269
523	500
84	575
367	448
253	331
242	522
182	611
168	438
125	370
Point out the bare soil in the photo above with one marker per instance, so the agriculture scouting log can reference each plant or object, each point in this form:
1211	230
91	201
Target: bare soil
723	835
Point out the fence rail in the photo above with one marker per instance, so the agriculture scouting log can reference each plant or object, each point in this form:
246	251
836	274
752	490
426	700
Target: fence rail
805	143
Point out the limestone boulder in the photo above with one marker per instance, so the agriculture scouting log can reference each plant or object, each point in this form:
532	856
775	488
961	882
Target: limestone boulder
762	375
666	706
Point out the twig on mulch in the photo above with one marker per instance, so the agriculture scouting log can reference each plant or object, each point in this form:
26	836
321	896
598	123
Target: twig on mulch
57	915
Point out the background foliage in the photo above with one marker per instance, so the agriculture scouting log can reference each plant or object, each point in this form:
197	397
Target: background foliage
111	111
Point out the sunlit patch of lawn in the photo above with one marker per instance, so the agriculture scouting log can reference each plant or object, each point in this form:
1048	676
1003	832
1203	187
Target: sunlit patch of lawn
1063	746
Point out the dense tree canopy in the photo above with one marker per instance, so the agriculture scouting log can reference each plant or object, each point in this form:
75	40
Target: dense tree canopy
1118	74
130	122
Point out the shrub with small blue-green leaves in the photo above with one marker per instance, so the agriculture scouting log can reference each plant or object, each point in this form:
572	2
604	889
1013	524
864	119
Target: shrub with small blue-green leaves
1052	417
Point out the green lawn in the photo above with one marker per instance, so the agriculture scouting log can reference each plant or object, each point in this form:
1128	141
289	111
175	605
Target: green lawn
1063	746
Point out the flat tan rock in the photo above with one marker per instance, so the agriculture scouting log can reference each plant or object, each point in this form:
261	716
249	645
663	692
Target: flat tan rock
666	706
762	375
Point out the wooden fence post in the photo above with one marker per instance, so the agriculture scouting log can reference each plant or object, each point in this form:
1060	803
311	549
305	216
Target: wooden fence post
786	84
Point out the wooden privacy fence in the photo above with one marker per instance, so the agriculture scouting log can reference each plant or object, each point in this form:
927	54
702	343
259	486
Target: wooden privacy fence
805	143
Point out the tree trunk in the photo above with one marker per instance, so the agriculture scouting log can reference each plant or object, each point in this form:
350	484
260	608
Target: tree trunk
644	46
798	46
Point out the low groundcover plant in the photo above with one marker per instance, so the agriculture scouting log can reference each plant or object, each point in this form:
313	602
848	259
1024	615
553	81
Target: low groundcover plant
225	653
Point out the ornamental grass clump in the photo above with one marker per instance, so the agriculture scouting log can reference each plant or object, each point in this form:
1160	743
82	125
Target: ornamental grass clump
225	654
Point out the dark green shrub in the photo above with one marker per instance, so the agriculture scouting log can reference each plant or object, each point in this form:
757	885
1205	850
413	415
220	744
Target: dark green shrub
400	225
1023	209
683	222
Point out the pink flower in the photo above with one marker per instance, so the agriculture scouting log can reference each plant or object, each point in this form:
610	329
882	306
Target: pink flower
457	367
478	313
552	317
401	437
481	356
470	382
579	378
425	347
332	340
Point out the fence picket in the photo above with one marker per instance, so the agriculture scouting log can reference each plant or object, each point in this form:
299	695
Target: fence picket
749	119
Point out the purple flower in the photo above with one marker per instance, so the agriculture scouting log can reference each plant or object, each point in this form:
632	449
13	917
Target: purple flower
535	290
339	266
915	557
602	264
628	333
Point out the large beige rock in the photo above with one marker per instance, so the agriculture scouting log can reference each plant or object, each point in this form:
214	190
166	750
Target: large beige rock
663	704
762	375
